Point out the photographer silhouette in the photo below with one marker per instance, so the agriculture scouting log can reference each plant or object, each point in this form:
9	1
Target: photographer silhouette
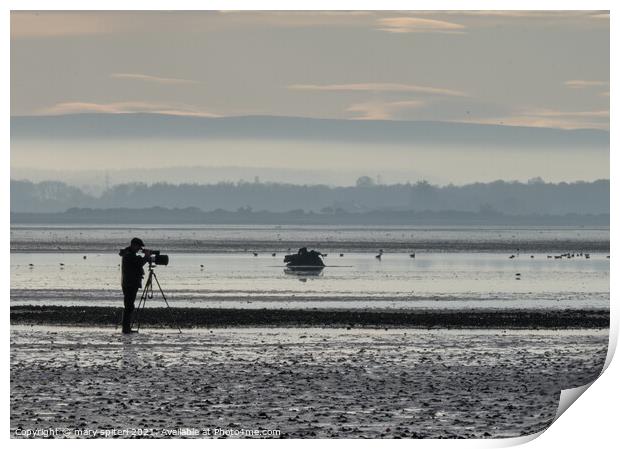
132	272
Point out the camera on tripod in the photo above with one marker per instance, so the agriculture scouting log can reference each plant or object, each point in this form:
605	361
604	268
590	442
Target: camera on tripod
153	258
156	257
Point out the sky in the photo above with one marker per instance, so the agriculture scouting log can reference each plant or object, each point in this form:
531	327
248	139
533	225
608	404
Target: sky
515	68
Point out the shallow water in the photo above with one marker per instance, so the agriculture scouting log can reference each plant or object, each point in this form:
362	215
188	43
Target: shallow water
435	279
243	238
309	382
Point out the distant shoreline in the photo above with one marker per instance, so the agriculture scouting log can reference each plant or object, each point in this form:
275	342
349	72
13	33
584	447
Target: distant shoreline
543	248
200	317
194	216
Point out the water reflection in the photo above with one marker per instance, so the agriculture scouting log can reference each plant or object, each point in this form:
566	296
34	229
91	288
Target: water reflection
302	274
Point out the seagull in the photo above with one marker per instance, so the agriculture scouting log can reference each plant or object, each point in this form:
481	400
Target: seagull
255	254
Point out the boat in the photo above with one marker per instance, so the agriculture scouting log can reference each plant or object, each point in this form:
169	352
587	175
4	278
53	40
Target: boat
304	261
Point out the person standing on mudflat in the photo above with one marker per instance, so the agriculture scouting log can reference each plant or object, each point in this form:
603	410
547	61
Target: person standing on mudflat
132	272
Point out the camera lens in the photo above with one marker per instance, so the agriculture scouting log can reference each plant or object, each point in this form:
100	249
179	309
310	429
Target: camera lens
161	259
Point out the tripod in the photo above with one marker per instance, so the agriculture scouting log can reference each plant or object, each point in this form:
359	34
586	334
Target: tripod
147	292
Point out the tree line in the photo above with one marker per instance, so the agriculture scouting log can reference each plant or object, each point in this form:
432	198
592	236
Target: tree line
502	197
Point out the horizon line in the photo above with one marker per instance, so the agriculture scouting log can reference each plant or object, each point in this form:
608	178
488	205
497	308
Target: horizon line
420	181
295	117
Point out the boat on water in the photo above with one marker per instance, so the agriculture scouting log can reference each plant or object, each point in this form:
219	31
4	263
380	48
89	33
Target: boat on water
304	261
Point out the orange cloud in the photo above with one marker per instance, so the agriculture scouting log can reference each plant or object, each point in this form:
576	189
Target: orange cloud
149	78
382	110
549	118
379	87
582	84
418	25
124	107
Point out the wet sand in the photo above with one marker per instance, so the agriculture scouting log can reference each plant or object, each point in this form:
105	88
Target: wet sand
304	382
216	317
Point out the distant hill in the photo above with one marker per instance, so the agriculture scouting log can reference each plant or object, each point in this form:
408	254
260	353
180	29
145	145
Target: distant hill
435	134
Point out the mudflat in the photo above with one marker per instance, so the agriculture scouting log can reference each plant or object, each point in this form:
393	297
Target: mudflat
296	382
220	317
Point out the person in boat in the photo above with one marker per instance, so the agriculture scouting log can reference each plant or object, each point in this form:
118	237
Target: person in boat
304	258
316	257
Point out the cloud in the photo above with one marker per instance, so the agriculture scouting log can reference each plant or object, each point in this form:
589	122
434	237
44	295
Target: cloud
549	118
603	16
124	107
297	19
554	113
379	87
153	79
518	13
418	25
49	24
378	110
492	18
33	24
582	84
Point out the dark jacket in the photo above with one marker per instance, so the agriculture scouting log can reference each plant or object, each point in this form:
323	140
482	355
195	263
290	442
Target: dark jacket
131	268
